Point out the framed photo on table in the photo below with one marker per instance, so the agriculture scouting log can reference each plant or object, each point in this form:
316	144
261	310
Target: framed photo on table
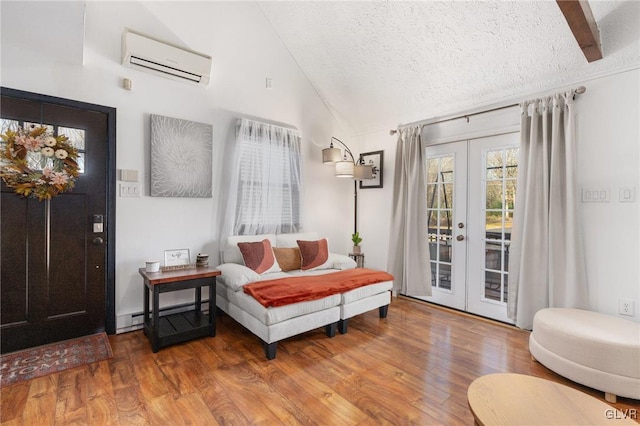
375	159
176	257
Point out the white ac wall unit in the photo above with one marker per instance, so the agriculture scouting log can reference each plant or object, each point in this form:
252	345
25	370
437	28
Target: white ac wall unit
163	59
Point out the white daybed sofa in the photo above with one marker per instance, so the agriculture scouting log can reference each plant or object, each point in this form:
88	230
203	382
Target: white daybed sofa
273	324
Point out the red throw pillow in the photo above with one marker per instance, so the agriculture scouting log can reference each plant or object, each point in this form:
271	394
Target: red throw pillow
315	254
258	256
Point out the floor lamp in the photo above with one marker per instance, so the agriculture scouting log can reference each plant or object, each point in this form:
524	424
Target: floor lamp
348	168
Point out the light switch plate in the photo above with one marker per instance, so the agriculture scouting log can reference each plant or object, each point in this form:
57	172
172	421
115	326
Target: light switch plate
627	195
129	189
595	195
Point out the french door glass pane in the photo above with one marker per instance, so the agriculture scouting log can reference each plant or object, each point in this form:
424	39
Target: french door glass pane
440	194
501	171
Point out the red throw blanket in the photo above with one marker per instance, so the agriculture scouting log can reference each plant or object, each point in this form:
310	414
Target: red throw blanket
284	291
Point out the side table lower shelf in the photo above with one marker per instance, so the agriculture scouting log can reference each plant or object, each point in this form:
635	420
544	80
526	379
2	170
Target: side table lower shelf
180	327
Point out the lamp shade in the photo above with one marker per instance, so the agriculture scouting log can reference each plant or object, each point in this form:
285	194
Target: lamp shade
363	172
344	169
331	155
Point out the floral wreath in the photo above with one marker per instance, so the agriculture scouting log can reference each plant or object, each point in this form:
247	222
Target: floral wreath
56	158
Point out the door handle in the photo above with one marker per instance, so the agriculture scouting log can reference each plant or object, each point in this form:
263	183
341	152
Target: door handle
98	241
460	237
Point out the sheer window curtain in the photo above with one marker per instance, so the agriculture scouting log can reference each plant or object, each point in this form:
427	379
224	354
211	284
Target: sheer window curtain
408	255
547	267
265	182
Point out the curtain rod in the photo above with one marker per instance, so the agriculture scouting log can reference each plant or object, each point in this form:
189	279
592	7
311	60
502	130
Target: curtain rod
578	91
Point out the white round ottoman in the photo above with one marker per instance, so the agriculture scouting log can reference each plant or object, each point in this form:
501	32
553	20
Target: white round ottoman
590	348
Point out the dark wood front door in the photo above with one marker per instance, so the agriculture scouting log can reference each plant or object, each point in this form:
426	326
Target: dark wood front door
56	268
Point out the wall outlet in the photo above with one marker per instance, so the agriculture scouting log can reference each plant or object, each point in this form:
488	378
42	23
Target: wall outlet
625	307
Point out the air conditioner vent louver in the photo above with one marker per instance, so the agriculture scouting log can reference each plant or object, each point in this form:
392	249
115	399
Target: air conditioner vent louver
166	60
175	72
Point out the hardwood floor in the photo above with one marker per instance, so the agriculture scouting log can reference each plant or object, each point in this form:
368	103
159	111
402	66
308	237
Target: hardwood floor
413	367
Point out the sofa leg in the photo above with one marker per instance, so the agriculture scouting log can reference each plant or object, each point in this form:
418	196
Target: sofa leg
610	397
270	349
342	325
383	310
330	330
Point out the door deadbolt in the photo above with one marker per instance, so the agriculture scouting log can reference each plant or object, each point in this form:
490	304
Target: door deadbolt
98	223
461	225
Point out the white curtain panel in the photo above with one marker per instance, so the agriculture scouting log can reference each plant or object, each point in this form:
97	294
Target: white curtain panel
265	183
408	256
547	267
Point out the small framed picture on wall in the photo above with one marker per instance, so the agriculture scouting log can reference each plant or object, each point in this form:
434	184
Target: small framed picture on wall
375	159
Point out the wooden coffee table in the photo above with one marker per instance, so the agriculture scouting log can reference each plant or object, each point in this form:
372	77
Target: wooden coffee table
508	399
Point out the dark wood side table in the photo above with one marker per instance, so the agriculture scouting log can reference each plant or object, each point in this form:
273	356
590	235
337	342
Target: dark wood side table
359	258
183	326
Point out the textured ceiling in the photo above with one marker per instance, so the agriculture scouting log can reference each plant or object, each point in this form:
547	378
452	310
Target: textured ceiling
378	64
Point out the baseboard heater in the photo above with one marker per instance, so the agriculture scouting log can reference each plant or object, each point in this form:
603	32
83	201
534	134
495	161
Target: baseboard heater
134	321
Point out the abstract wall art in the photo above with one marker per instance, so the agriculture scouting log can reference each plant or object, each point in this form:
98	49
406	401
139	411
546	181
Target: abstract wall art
181	158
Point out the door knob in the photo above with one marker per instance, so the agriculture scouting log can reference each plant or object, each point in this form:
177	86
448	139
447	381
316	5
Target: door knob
97	241
460	237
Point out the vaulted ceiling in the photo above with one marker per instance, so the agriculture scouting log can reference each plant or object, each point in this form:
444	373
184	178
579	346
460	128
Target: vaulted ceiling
379	63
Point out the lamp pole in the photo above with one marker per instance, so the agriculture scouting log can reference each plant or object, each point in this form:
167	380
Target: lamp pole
355	187
355	206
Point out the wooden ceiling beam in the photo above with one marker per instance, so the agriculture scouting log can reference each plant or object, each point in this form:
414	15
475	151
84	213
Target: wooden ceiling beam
583	26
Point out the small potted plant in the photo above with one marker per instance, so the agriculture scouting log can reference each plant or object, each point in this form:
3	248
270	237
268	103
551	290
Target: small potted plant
356	242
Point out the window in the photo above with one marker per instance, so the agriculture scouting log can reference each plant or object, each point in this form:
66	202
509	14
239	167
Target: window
268	179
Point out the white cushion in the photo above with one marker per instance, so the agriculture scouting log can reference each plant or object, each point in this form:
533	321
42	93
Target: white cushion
273	275
231	253
301	273
591	339
365	291
235	276
290	240
342	262
269	316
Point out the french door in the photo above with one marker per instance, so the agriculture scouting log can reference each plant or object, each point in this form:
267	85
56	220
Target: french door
470	198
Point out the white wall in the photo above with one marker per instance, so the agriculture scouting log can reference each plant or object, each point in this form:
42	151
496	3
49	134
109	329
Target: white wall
609	135
609	155
245	51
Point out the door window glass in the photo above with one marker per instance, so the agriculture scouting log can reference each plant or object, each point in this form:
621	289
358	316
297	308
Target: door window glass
77	140
440	195
499	190
34	159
